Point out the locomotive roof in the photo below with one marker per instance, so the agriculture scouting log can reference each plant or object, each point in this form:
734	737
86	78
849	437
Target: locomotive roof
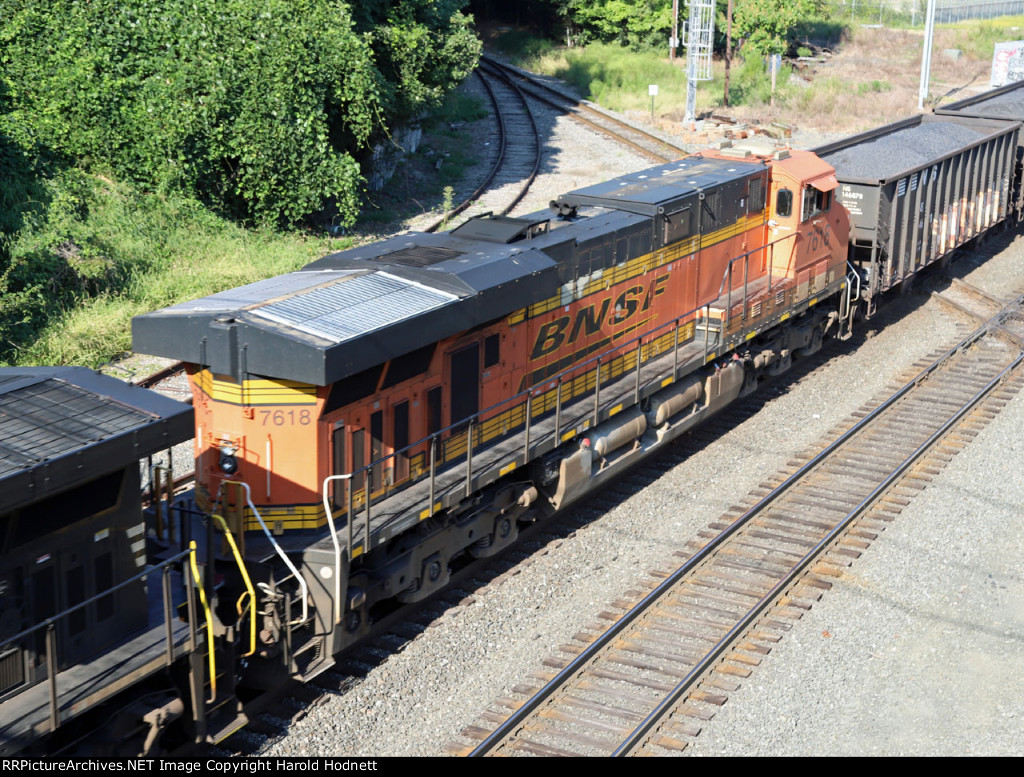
60	426
354	309
357	308
654	190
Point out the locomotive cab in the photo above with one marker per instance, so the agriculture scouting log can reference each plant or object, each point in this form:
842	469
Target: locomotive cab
75	607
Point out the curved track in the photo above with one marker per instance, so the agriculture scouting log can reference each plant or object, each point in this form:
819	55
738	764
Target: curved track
518	152
645	684
639	140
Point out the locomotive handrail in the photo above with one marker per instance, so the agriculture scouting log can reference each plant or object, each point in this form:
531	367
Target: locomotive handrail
249	590
854	276
334	539
210	657
51	632
277	549
158	484
525	396
107	592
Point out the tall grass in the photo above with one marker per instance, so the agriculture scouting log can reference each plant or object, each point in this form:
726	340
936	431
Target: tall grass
522	46
617	78
80	254
111	252
977	39
750	83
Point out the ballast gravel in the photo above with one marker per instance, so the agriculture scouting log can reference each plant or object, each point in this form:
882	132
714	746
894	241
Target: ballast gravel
924	653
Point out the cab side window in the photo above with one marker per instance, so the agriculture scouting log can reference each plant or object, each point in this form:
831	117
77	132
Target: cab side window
784	203
815	201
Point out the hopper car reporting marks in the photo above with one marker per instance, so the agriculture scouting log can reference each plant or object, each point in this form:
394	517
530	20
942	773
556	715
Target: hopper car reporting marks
360	423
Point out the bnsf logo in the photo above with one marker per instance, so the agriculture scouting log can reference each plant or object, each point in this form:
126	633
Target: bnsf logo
587	320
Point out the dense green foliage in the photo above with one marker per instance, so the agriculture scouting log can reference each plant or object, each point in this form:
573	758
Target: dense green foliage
259	107
635	23
137	135
767	25
91	252
422	48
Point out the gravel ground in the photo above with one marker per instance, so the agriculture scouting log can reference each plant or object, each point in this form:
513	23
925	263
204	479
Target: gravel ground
423	694
919	648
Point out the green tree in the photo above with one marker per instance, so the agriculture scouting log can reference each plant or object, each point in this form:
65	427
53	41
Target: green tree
636	23
422	48
767	24
259	107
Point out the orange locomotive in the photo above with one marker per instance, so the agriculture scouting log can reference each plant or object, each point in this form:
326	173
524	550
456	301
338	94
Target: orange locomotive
393	405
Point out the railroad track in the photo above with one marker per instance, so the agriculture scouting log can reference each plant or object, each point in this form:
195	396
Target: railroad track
518	156
676	649
969	301
643	142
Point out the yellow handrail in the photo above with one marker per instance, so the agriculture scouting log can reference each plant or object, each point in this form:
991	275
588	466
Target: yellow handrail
249	590
209	622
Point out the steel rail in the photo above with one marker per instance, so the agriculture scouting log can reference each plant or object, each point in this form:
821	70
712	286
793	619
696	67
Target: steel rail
162	374
502	142
501	156
668	151
635	739
536	139
549	689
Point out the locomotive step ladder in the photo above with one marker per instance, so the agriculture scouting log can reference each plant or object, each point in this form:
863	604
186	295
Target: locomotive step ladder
223	712
312	658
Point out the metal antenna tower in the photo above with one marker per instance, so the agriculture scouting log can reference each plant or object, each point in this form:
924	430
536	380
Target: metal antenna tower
699	32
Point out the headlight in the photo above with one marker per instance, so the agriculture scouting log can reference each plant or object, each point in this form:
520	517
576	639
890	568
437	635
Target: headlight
228	463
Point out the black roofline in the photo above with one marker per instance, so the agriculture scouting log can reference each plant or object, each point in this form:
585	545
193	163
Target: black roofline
172	423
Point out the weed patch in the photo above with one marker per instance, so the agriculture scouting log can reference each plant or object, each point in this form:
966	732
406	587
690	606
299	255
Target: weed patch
100	252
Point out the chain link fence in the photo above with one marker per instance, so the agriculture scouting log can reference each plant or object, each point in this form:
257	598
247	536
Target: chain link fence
904	13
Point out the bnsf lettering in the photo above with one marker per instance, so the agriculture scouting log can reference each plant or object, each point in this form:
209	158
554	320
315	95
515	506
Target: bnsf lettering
550	337
657	288
587	320
626	303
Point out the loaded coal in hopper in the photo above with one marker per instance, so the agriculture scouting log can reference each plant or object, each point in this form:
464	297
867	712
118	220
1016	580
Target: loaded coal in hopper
1009	105
887	156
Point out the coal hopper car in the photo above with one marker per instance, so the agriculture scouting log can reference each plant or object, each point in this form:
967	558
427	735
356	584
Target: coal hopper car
918	189
1005	104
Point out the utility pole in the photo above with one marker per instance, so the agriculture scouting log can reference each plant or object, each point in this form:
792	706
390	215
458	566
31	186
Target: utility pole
728	50
674	41
926	56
